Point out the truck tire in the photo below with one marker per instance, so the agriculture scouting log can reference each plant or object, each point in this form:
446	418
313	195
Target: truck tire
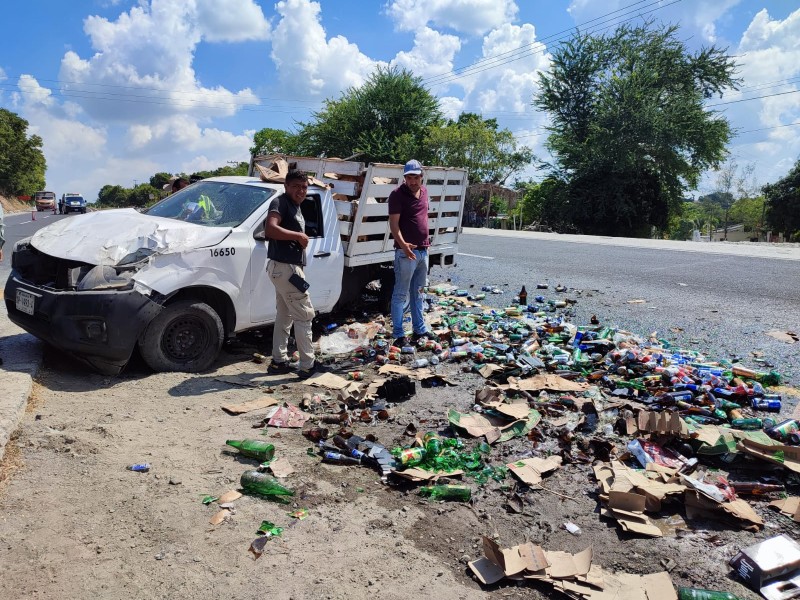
185	336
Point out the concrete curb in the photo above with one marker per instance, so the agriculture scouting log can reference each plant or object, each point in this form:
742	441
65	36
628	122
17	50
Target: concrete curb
22	358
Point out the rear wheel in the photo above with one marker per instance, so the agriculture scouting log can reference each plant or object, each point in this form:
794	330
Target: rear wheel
186	336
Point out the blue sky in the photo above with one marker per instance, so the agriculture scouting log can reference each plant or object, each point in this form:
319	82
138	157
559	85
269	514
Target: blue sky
121	89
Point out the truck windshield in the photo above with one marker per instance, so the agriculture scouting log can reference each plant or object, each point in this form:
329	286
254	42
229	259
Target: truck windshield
212	203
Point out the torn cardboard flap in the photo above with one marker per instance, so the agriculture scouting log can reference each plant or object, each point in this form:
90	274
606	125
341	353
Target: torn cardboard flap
327	380
401	370
634	522
507	562
530	470
700	506
788	506
281	468
787	456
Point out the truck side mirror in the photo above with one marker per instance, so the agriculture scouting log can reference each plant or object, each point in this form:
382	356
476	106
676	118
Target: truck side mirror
259	234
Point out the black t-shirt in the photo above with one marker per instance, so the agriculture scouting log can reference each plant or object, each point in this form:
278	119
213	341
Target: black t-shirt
287	251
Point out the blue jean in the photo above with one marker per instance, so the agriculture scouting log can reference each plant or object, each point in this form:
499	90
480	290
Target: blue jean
409	279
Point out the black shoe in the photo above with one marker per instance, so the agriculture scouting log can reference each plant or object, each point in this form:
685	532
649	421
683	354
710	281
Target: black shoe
428	335
278	368
312	370
400	342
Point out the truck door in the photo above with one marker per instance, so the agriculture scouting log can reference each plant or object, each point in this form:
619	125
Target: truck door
324	261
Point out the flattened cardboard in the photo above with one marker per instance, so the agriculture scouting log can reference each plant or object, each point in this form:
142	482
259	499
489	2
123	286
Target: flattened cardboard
517	410
493	428
635	522
701	506
327	380
549	382
401	370
415	474
219	516
530	470
626	501
786	456
246	407
488	370
281	468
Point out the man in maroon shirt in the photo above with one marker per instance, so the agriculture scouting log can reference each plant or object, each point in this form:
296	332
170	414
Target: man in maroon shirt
408	220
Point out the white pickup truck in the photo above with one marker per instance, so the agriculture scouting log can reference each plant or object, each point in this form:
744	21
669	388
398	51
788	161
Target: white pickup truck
176	280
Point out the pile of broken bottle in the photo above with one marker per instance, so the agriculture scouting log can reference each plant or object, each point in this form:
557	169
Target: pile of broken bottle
528	339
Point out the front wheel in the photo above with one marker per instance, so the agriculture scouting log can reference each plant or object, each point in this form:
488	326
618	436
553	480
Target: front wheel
186	336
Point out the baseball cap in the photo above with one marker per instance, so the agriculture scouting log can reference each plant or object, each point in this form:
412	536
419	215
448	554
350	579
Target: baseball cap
413	167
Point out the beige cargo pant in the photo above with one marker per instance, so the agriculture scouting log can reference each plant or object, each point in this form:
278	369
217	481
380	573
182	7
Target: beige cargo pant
294	307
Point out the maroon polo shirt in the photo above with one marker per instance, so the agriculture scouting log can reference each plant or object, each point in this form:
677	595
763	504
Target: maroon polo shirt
413	213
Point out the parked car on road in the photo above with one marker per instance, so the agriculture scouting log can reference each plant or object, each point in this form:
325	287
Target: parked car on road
71	202
44	200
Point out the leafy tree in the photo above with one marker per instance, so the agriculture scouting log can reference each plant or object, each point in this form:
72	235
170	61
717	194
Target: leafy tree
749	212
223	171
489	154
113	196
384	120
274	141
629	131
783	202
22	163
159	180
142	195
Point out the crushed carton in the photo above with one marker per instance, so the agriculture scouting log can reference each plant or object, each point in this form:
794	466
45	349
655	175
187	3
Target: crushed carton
767	560
530	470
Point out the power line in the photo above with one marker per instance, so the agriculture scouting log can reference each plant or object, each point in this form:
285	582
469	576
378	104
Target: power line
528	49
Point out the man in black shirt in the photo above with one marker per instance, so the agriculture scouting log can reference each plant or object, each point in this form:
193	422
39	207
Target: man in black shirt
285	229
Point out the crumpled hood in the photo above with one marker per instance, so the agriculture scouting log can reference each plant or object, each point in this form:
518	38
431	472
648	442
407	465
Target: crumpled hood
106	237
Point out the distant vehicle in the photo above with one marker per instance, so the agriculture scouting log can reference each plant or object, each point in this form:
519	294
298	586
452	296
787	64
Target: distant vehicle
71	202
44	200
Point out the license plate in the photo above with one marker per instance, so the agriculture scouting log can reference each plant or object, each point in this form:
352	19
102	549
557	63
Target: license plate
25	301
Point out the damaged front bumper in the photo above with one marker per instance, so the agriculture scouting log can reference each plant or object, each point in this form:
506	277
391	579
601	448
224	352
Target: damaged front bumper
99	327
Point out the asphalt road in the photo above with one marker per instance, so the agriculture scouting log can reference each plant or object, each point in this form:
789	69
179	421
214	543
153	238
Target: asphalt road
714	303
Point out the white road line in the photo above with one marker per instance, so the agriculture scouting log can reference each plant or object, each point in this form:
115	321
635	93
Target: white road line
476	256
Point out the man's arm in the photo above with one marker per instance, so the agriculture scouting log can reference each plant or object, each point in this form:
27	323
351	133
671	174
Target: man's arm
394	225
274	231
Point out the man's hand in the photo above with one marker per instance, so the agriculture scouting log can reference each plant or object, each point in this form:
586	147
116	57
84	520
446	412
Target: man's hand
409	251
1	255
302	239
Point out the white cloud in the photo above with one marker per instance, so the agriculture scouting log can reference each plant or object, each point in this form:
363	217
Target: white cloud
308	63
451	107
515	59
142	64
31	93
697	20
474	17
2	74
431	55
231	20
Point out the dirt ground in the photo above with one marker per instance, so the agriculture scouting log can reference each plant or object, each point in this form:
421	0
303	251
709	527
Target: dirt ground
74	523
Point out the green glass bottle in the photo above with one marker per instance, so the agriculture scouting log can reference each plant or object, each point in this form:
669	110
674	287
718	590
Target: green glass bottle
461	493
685	593
432	443
261	451
261	484
748	424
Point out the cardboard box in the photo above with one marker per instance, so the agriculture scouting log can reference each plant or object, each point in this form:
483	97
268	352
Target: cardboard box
759	563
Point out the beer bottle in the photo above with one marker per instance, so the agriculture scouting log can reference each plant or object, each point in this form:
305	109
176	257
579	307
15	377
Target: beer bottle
523	296
462	493
261	451
433	444
411	456
685	593
261	484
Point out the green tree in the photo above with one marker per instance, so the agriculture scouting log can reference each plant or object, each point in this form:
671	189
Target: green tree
22	163
224	171
749	212
489	154
385	120
159	180
274	141
112	196
783	203
142	195
628	130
